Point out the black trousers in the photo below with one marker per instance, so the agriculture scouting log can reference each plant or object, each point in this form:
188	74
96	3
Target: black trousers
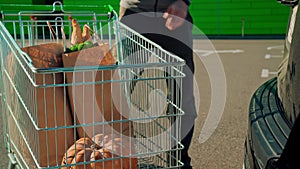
180	43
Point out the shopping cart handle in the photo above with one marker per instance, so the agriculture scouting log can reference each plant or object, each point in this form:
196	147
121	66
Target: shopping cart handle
109	8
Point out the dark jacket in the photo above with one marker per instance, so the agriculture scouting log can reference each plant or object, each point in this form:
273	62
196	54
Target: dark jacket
149	5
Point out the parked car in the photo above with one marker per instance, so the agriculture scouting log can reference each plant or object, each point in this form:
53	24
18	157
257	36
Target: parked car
272	141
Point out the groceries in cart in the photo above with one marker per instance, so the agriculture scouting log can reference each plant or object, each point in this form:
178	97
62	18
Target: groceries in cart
79	36
80	39
87	93
100	147
114	139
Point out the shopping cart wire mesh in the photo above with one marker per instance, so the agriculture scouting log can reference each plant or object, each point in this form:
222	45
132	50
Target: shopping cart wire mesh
47	110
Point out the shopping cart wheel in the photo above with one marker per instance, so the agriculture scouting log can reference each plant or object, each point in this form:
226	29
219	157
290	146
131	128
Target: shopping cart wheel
12	161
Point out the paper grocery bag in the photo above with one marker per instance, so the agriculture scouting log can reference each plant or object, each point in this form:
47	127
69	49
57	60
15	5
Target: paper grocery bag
92	93
48	106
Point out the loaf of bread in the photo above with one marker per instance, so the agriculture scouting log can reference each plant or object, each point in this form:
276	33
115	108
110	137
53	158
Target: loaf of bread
79	36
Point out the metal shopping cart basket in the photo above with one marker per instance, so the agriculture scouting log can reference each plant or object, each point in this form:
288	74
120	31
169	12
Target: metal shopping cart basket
122	115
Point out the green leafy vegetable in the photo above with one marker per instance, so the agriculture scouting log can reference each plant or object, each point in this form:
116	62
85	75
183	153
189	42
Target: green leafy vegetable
80	46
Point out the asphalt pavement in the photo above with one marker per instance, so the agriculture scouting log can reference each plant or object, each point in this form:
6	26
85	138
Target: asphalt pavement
243	62
246	65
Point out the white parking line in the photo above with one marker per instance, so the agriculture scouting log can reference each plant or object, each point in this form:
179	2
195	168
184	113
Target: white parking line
265	73
269	56
275	47
209	52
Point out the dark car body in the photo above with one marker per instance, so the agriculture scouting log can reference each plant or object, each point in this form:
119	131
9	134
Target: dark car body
269	124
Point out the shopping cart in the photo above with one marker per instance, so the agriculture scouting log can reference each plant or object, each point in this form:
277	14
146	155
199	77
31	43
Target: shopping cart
41	106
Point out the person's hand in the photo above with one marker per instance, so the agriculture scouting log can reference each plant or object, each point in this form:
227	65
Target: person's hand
176	14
